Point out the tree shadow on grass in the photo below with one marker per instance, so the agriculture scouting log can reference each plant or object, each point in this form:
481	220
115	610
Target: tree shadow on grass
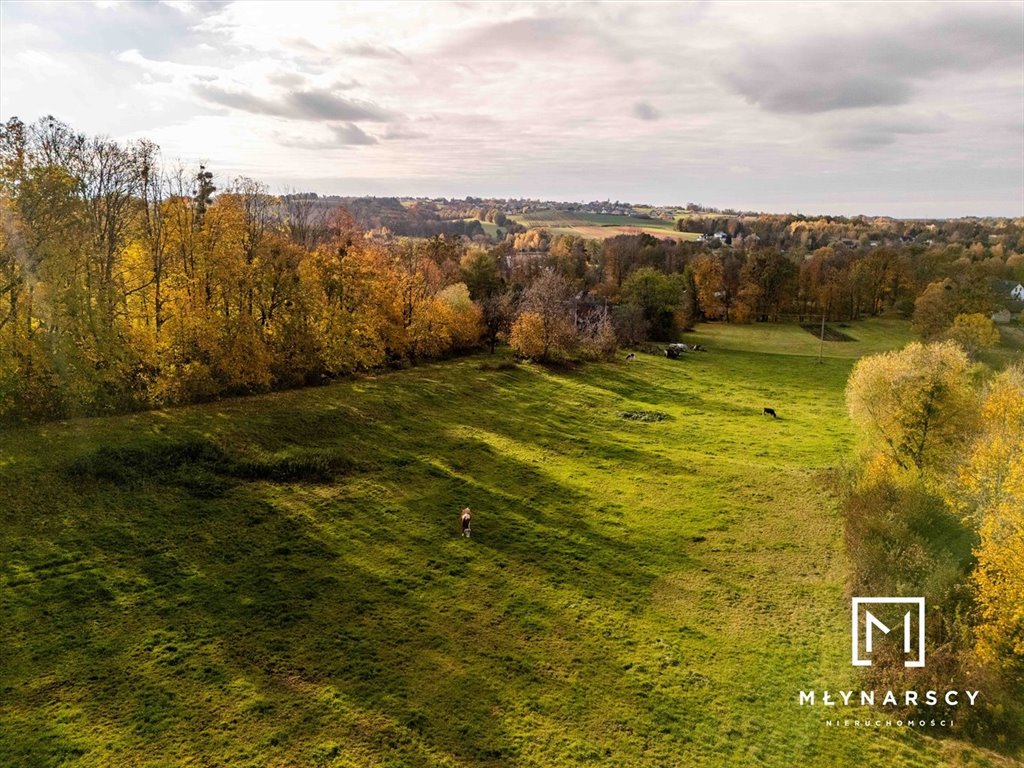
255	622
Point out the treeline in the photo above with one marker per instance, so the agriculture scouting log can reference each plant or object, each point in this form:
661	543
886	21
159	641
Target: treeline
936	509
389	215
795	230
764	283
124	284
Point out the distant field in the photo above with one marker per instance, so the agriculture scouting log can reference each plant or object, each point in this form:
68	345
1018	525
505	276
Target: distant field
489	227
279	581
599	225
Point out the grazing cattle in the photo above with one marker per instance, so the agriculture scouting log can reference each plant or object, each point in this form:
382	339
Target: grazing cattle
671	353
631	356
699	348
769	412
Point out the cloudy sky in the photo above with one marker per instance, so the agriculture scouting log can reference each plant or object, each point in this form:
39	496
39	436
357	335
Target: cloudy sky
902	109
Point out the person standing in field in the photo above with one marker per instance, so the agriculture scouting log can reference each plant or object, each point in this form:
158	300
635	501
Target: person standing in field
465	518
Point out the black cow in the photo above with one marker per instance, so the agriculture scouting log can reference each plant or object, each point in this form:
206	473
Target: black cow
769	412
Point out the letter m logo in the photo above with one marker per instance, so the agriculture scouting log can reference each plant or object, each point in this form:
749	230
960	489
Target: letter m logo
867	628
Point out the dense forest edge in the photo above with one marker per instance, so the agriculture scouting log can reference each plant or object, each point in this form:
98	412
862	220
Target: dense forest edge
128	283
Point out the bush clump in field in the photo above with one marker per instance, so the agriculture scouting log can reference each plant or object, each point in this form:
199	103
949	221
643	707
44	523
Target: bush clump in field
201	466
643	415
125	464
316	466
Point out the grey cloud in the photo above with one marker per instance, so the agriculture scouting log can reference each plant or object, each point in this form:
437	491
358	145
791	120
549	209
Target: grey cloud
324	105
874	66
644	111
286	79
367	51
863	140
245	102
352	134
536	34
306	105
344	135
807	91
868	136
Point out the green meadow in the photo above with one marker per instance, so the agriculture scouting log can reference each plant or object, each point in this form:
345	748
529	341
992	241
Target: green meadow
598	225
280	581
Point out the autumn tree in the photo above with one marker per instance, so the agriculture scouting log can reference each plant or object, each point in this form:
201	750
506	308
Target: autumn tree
913	406
527	336
460	318
596	334
354	315
935	309
658	296
990	492
545	325
498	312
968	292
709	276
480	273
973	332
767	281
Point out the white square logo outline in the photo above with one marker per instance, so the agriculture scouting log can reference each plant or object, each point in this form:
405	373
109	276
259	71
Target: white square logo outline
855	628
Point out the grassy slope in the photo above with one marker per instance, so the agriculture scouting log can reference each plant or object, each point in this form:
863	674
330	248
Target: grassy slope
489	227
636	593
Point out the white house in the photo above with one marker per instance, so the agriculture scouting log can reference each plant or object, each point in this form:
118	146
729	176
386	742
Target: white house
1017	292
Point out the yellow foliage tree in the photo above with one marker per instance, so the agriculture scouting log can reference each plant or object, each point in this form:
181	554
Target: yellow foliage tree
912	406
991	492
351	309
463	320
527	336
709	275
973	332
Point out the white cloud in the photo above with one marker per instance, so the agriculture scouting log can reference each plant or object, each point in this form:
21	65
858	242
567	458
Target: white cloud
867	108
182	6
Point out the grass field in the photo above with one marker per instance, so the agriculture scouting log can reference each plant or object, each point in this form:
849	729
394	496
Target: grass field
279	581
489	227
598	225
